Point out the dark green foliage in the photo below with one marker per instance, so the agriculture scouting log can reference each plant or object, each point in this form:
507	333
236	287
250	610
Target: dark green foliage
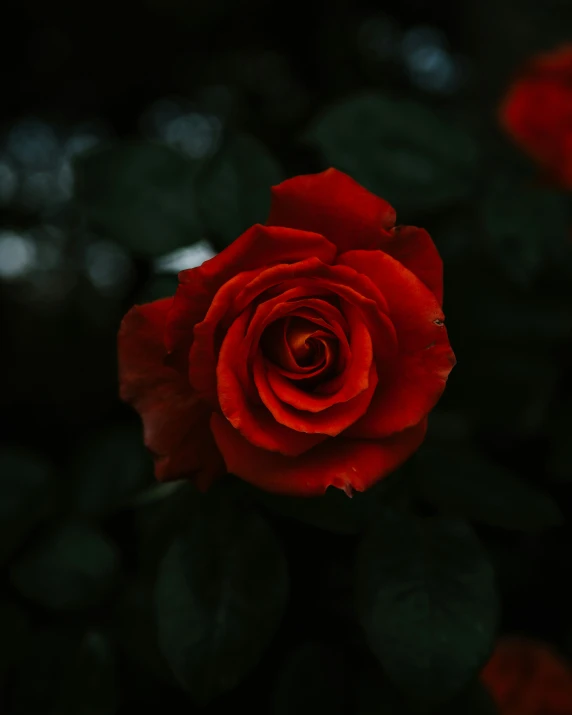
398	149
221	593
312	678
108	469
234	189
71	567
26	484
427	601
140	194
458	480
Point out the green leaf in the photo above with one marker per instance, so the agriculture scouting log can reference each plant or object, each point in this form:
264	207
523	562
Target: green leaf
65	674
161	286
26	497
234	189
109	468
334	511
427	601
136	630
473	700
15	630
72	567
560	454
221	593
89	686
38	680
162	512
311	681
462	482
141	194
376	695
399	149
527	227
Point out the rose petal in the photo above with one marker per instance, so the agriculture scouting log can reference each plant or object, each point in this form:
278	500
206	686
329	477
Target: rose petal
419	374
175	422
254	421
310	277
414	248
353	381
339	462
334	205
276	347
320	312
257	248
330	421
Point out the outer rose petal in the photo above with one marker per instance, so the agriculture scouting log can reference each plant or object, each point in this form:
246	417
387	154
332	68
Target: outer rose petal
257	248
527	678
420	372
334	205
338	462
414	248
175	423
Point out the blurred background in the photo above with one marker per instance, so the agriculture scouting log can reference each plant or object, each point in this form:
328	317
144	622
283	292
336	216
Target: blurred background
138	140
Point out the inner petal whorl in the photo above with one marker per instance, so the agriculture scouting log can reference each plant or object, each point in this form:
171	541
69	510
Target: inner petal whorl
300	347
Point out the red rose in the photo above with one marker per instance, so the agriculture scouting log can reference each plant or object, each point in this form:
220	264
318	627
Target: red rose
527	678
306	354
538	112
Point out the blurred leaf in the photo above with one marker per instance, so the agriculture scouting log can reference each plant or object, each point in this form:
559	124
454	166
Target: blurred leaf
234	189
334	511
72	567
311	681
109	468
504	386
527	226
376	695
427	601
141	194
15	633
89	685
156	493
63	674
558	429
474	700
504	312
162	512
459	480
162	286
134	618
399	149
38	682
25	496
221	592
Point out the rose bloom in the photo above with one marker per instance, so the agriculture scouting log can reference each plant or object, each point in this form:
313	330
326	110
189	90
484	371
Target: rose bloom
537	112
527	678
307	354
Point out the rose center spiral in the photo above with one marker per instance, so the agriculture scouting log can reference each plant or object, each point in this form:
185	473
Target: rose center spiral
301	348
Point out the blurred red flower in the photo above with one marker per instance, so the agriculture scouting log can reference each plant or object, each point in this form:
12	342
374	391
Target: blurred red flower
537	112
528	678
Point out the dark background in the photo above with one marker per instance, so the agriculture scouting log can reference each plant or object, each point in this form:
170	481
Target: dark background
74	76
